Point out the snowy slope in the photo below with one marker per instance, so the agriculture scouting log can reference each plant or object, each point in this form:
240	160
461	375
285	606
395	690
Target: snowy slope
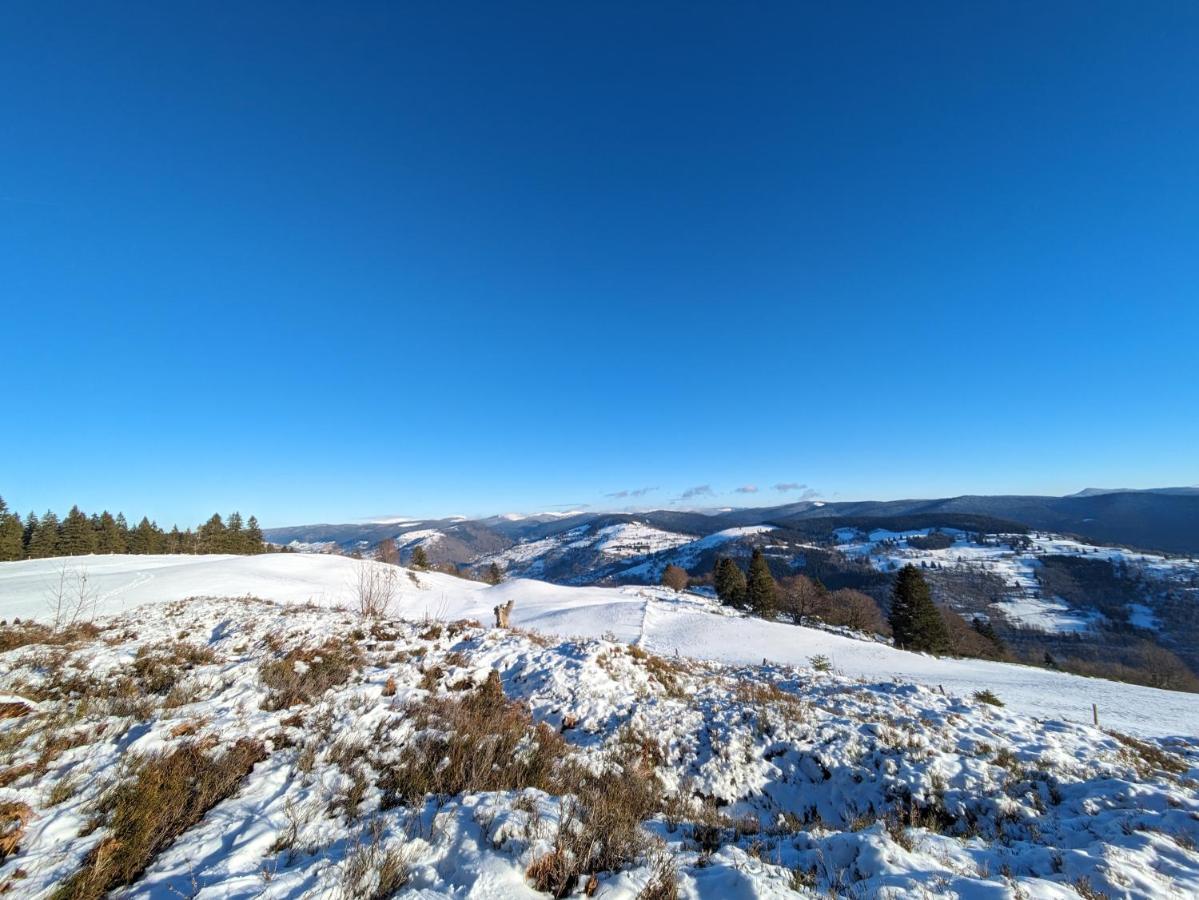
653	617
766	781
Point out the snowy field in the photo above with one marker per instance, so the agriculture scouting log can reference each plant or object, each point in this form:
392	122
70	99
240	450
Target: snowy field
323	740
654	618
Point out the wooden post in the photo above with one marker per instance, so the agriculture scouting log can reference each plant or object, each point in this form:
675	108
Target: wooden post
1095	713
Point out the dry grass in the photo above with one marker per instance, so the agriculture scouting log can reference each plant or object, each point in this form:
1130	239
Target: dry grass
1149	759
22	634
14	815
321	668
165	796
480	741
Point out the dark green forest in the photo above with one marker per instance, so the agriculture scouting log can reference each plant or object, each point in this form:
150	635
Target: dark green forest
78	534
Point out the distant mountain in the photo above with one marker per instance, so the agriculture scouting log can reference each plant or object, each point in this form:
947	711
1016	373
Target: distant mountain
1165	519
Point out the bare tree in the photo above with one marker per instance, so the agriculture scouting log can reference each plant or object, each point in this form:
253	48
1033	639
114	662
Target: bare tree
375	589
675	578
388	553
71	598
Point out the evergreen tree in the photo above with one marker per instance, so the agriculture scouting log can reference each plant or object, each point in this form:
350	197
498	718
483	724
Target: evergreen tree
254	541
78	539
211	537
109	538
44	541
31	524
916	622
730	582
419	559
759	586
494	574
174	540
123	531
234	536
12	534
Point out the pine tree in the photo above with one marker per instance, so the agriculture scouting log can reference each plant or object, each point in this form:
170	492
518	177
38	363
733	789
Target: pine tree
916	622
759	586
31	524
44	541
254	542
211	537
234	536
730	582
419	558
12	534
78	538
494	574
109	538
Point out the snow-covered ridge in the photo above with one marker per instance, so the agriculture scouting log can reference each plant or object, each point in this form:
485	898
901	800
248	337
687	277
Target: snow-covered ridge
653	617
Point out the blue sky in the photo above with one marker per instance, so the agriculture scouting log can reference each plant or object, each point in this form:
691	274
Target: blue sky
327	262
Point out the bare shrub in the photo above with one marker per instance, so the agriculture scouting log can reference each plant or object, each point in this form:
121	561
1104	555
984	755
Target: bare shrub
166	795
987	696
319	669
71	599
375	589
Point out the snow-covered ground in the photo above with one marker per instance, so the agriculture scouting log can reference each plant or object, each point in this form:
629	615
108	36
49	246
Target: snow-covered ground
656	618
764	781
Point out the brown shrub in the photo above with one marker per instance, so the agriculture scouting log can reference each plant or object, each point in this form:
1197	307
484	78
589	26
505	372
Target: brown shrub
167	794
321	668
480	741
22	634
14	815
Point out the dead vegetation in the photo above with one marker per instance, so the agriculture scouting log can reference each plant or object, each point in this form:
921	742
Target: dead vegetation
479	741
22	634
304	674
163	796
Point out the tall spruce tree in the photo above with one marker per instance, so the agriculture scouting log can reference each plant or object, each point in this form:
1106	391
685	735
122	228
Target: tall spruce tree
916	622
419	558
44	541
254	542
78	539
759	586
235	538
730	582
109	538
211	537
12	534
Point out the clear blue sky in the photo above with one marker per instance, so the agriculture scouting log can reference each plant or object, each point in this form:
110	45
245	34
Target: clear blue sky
326	262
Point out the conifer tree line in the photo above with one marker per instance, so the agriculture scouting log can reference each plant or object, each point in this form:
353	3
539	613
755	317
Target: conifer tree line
78	534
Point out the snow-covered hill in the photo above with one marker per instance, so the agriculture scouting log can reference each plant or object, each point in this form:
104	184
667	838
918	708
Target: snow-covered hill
288	747
652	617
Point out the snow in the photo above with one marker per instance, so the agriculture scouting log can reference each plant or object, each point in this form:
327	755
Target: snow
818	767
689	624
637	539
